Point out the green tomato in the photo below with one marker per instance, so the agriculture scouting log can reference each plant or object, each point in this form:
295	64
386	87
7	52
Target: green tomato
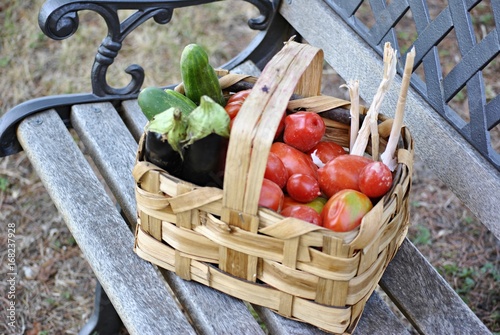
317	204
345	209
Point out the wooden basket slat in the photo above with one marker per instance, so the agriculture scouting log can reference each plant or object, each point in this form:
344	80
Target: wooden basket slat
151	200
333	267
194	198
162	215
182	265
362	282
299	283
243	241
220	238
190	242
330	318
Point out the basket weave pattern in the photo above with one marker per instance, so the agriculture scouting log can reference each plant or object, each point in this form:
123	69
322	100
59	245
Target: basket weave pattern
222	239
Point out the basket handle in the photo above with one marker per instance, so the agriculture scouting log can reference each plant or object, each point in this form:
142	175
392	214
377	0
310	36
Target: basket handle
297	68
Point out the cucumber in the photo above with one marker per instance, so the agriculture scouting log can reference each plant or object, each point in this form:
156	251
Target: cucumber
153	100
199	76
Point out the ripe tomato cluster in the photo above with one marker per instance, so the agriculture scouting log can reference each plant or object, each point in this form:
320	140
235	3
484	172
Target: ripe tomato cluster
316	180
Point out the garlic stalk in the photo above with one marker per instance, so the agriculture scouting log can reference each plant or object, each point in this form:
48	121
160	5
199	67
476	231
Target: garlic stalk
370	124
353	87
388	157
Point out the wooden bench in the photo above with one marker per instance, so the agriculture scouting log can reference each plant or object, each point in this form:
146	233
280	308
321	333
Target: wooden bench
100	221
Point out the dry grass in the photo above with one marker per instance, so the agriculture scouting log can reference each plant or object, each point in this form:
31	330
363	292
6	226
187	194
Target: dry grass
54	291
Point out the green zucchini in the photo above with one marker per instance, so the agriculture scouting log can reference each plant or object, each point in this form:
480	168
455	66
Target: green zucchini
198	76
153	100
185	104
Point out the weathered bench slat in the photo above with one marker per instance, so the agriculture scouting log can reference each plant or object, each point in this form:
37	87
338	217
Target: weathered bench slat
211	311
99	229
134	120
425	297
100	129
439	145
377	318
278	325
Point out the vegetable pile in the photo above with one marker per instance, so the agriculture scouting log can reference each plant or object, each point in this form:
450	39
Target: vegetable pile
187	134
306	177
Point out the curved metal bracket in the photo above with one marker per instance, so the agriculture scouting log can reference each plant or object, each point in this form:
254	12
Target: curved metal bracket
59	20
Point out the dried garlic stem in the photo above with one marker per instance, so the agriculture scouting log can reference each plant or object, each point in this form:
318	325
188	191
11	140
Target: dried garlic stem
353	87
389	153
370	123
374	138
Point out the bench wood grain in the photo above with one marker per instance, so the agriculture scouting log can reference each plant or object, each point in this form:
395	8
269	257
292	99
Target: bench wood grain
99	229
425	298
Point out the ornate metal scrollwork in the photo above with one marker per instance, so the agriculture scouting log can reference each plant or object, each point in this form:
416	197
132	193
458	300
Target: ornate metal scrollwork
59	20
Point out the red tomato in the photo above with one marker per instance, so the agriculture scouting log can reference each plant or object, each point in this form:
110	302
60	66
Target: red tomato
233	108
303	130
239	96
341	173
303	212
325	151
289	201
303	187
375	179
271	196
294	160
345	210
281	126
276	170
235	101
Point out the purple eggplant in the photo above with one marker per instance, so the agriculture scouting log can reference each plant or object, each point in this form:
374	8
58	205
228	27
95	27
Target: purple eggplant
204	161
191	147
206	144
159	152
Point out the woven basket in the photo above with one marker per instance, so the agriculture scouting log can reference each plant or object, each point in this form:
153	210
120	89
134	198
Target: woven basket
222	239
